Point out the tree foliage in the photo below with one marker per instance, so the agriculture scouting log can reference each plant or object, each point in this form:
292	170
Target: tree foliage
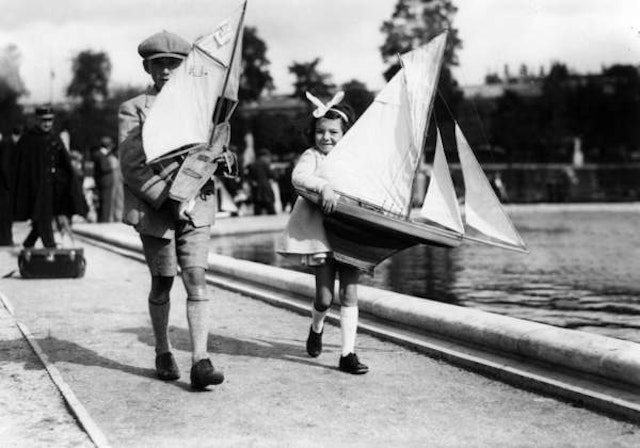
11	87
357	96
90	81
601	110
309	78
255	72
414	23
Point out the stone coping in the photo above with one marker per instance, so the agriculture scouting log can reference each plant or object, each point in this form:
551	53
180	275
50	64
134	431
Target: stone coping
607	357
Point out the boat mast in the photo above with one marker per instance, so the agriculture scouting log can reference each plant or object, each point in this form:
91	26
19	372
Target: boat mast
218	111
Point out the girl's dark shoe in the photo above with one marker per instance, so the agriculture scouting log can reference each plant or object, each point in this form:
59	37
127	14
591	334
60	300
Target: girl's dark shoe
351	364
314	343
166	367
203	374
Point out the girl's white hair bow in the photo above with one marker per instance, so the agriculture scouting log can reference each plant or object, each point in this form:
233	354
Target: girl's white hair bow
322	109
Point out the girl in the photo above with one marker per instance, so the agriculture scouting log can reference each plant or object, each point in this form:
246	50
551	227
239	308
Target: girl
304	238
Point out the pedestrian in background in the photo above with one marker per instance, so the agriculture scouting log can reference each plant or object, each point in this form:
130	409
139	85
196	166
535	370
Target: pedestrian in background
288	194
108	180
259	175
7	186
47	186
169	236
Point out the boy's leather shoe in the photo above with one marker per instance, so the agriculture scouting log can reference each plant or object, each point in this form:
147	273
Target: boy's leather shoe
314	343
351	364
203	374
166	367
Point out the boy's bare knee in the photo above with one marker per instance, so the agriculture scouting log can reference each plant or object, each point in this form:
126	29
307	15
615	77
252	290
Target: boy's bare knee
198	294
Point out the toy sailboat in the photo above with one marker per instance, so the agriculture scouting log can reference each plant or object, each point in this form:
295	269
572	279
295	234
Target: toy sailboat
190	115
373	166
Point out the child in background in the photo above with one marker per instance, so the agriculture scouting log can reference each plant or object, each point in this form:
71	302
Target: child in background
305	240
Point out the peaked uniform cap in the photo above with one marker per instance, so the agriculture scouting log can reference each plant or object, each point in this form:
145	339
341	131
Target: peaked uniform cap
164	45
44	112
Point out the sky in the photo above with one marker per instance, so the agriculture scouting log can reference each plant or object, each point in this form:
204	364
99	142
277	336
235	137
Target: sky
345	34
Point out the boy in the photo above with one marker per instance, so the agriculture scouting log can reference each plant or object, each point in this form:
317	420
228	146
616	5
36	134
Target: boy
169	236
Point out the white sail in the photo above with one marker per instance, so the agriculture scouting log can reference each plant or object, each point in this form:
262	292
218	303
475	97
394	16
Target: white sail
421	72
440	203
483	210
182	112
376	160
373	160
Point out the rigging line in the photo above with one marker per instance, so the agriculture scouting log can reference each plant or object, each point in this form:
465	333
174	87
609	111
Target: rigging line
482	129
477	117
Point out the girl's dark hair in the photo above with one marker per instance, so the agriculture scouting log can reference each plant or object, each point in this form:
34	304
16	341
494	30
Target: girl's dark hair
331	115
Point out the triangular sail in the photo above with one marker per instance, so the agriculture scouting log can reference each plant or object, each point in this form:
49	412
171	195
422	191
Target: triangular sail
440	203
371	162
377	158
483	210
421	72
182	112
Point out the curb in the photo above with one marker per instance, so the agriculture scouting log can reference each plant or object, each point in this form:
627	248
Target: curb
85	421
603	356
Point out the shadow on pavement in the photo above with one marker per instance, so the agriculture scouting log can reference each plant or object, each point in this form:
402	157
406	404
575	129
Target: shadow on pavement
59	350
258	348
17	351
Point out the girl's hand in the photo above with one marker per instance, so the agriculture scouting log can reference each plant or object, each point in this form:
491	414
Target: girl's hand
328	199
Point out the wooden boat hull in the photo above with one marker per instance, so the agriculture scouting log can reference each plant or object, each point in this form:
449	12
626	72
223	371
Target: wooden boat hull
363	237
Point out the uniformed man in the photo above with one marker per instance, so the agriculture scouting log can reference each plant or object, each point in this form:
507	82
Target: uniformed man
47	186
170	238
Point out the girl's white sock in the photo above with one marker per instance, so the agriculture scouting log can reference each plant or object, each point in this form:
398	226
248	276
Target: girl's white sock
318	319
348	328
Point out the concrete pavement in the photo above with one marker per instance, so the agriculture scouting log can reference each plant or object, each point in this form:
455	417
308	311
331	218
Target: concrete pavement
95	331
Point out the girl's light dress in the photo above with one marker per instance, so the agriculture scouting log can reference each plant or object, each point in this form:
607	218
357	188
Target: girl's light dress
304	239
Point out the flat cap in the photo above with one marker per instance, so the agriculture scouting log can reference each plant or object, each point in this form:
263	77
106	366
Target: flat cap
44	112
164	45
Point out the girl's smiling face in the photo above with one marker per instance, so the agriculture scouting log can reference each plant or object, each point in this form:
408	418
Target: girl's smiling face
328	132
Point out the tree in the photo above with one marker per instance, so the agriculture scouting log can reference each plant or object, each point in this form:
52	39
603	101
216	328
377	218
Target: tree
515	127
414	23
357	96
624	107
90	82
556	127
11	87
492	79
255	73
92	118
308	78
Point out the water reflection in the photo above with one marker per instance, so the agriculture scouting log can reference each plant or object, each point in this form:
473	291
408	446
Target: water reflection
581	271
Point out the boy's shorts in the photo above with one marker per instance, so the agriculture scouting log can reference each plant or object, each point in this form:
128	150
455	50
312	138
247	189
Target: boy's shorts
189	248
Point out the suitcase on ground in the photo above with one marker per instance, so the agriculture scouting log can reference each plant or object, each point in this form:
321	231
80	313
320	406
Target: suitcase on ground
52	263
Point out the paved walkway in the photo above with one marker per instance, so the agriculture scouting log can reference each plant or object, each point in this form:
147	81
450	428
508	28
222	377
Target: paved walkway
96	333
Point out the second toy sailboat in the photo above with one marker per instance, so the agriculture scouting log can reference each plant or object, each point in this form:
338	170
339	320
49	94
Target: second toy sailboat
373	166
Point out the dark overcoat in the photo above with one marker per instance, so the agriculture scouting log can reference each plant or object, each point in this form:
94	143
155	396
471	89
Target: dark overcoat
47	185
7	180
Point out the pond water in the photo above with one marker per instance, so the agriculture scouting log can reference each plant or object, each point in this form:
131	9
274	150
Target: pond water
582	270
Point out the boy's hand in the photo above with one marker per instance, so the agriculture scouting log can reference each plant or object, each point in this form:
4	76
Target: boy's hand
328	199
181	210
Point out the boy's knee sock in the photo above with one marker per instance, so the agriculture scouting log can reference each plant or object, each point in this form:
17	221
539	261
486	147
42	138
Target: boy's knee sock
317	317
348	328
198	318
159	313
